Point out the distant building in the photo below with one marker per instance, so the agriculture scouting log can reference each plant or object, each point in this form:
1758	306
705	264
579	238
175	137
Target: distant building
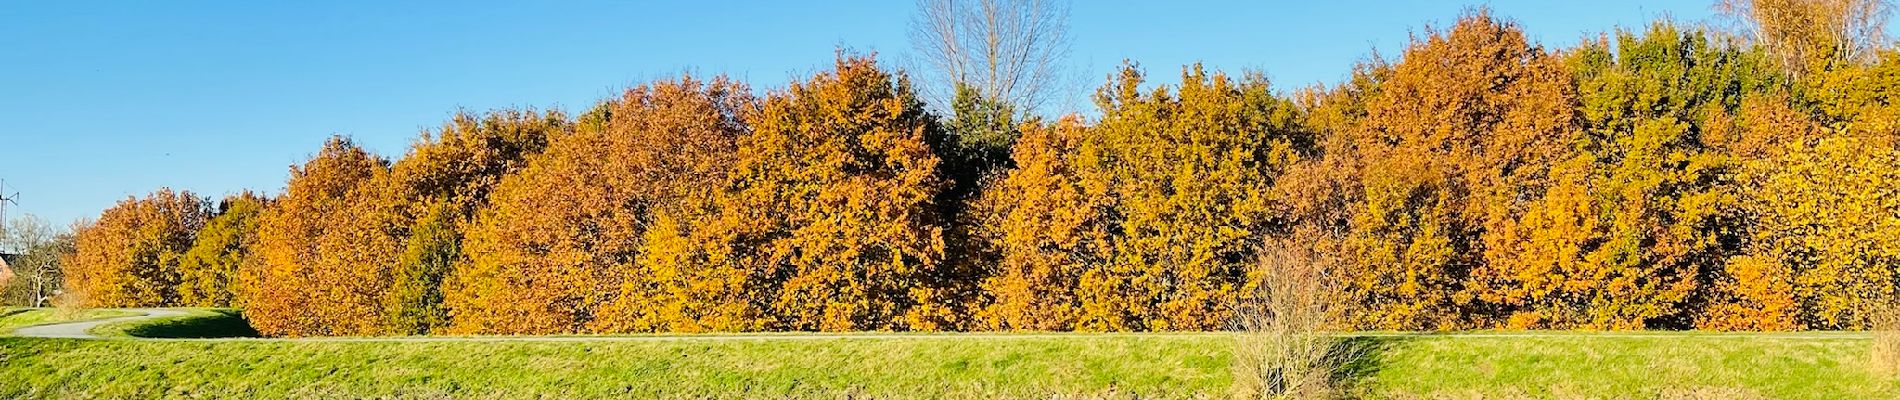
6	267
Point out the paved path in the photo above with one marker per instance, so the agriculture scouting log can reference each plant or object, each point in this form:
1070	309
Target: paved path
77	330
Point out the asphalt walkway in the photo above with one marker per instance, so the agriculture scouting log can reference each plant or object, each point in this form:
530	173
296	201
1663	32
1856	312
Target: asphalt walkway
78	329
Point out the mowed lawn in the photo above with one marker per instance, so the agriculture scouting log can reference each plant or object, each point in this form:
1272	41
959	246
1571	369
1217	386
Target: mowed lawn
957	366
1615	366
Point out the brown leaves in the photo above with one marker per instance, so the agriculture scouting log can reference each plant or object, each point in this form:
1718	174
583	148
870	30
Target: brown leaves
1668	181
1459	140
333	248
559	248
130	257
316	243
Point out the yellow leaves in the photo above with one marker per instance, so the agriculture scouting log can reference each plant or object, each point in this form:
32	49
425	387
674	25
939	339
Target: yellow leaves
1143	221
209	272
1860	99
1762	298
556	248
1827	231
834	190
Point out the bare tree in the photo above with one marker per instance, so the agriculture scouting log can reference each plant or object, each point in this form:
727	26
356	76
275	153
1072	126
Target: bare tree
1286	347
39	247
1806	34
1007	51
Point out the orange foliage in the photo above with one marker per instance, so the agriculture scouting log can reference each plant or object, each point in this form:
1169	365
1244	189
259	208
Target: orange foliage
1459	141
130	257
1147	221
1667	179
318	243
560	247
830	203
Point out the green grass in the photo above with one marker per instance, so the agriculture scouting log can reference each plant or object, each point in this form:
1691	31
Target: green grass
196	323
1586	366
885	368
16	317
1570	366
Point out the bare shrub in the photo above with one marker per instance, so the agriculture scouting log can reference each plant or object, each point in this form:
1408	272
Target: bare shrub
69	304
1285	347
1885	324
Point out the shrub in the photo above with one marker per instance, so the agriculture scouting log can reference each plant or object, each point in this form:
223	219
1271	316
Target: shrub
1285	349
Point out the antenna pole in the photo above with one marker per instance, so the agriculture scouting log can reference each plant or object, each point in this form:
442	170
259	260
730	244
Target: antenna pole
4	199
3	210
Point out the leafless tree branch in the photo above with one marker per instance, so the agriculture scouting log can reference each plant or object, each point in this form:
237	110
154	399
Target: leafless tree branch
1007	50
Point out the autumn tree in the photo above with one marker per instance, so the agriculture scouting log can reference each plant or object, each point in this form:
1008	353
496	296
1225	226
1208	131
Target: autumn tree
130	257
209	271
1635	220
1826	249
1862	99
1147	220
563	245
1040	228
340	252
314	248
1811	169
989	66
830	206
1807	36
689	145
435	191
1320	194
1458	141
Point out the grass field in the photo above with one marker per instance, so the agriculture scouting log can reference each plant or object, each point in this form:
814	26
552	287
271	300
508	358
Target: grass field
1600	366
13	317
960	366
920	368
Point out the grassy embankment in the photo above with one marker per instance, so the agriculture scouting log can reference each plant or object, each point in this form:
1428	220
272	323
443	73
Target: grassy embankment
196	323
16	317
1501	366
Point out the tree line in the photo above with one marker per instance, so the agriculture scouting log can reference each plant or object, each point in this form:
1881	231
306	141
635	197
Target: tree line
1671	177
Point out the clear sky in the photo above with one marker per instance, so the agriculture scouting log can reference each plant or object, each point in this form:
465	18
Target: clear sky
101	100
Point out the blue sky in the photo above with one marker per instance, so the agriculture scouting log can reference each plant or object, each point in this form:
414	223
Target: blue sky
101	100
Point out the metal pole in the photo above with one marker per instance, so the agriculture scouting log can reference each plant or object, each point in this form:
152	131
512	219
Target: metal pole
3	210
4	200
